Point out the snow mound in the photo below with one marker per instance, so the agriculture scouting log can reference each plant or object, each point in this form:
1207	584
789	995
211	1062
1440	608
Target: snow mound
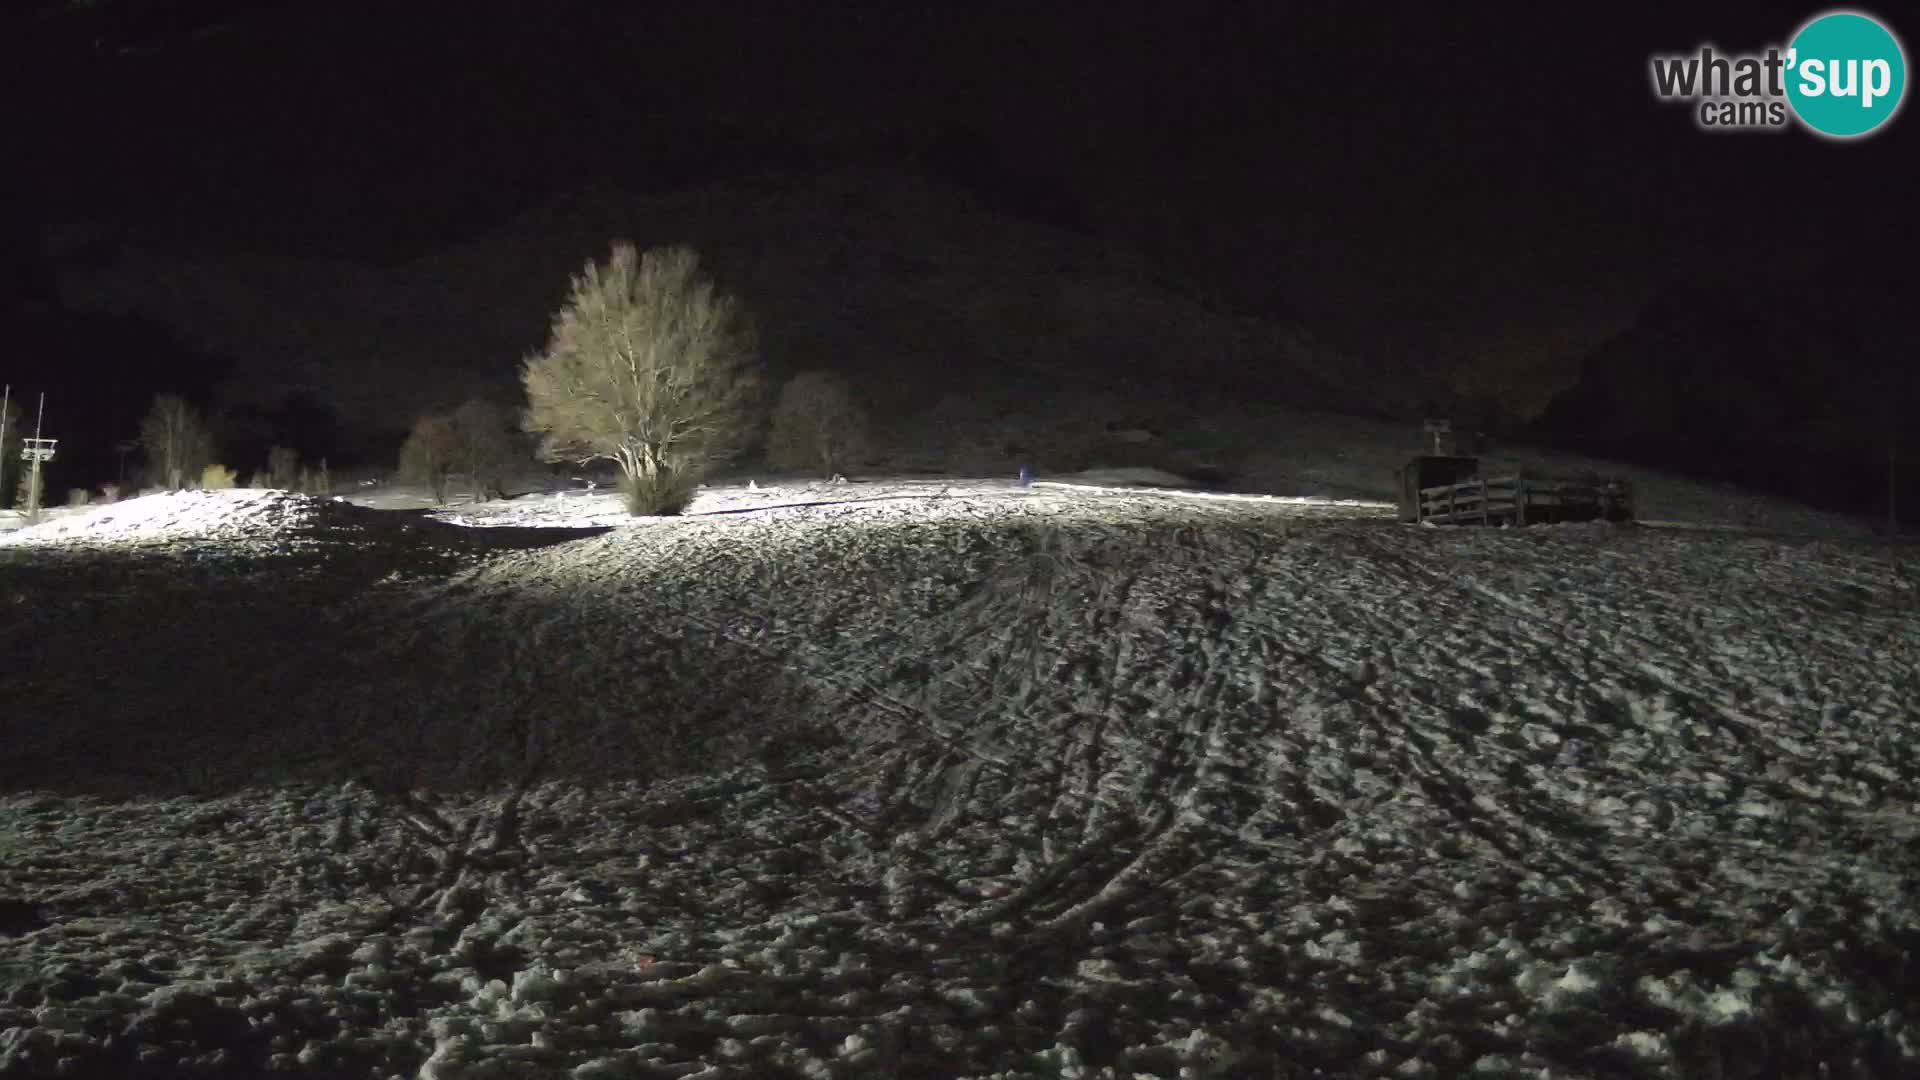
183	515
1127	476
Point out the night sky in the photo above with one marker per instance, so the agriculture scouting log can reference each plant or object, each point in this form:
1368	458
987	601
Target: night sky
1490	188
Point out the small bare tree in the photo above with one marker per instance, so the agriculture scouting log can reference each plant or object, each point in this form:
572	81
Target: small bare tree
177	442
817	424
11	429
428	455
29	490
486	446
283	466
647	366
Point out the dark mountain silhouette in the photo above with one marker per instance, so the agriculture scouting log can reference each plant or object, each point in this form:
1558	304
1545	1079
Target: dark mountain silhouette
916	290
1799	386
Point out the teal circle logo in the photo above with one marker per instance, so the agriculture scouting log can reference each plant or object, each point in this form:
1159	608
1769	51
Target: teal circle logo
1845	74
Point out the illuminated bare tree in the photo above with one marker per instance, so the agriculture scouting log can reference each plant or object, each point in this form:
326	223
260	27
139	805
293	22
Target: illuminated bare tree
177	442
649	367
817	423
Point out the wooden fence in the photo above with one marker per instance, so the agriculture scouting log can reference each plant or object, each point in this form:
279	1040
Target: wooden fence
1519	499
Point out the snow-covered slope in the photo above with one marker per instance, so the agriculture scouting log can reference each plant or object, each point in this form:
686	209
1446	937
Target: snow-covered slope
977	781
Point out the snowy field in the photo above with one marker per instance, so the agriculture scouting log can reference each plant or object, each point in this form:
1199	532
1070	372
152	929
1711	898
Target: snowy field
946	779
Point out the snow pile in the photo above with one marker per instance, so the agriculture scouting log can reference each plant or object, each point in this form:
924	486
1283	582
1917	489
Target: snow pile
204	515
1018	782
873	501
603	508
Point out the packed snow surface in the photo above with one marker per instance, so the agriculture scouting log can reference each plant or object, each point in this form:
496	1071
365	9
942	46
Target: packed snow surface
950	779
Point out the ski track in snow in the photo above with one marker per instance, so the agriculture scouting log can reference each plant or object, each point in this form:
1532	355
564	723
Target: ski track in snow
950	779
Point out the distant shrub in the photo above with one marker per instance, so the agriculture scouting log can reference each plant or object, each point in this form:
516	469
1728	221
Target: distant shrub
30	487
428	455
283	464
486	447
78	497
177	441
216	478
261	480
817	424
109	493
